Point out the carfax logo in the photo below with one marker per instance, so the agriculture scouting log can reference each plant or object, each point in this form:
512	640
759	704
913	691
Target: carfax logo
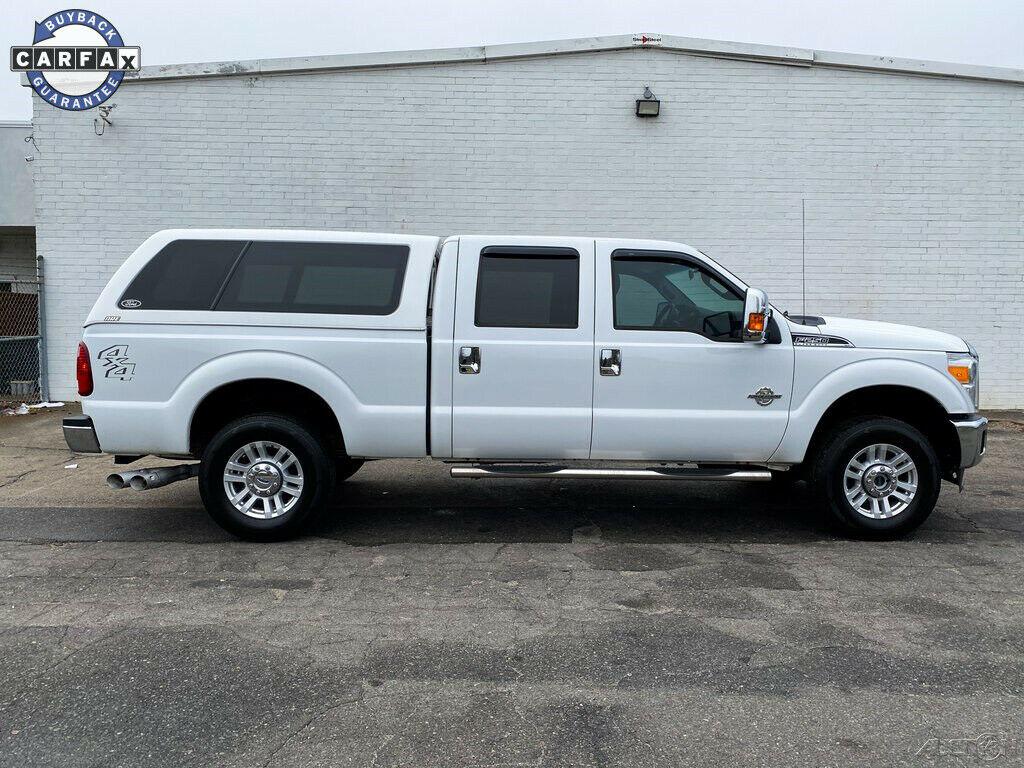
76	60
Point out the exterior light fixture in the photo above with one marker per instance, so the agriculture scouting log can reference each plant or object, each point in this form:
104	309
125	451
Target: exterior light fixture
648	106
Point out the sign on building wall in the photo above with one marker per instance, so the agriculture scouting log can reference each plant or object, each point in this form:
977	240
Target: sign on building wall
77	59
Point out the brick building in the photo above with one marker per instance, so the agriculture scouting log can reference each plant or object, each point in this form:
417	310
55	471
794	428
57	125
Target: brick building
901	183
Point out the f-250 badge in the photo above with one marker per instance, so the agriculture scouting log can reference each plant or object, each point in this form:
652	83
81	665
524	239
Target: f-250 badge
764	396
116	363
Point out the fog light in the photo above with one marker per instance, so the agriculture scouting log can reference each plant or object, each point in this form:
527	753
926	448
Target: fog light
648	106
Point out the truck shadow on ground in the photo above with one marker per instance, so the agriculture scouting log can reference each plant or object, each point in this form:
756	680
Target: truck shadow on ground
375	511
371	511
538	511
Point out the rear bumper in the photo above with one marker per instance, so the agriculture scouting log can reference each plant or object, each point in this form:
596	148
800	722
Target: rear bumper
972	434
80	435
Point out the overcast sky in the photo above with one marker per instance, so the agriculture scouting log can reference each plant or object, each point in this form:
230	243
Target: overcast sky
970	31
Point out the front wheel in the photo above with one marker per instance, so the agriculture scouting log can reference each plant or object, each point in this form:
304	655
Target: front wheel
263	476
879	477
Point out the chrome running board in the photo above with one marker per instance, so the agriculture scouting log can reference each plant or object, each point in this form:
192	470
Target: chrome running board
611	473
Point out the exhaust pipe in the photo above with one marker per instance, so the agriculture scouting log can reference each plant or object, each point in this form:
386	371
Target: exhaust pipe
119	480
161	476
152	477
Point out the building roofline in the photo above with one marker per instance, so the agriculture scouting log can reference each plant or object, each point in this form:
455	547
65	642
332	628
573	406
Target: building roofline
15	123
771	54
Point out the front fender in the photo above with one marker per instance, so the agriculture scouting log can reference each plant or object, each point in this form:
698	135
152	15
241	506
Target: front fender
859	374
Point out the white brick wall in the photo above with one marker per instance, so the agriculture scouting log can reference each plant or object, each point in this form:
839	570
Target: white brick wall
914	186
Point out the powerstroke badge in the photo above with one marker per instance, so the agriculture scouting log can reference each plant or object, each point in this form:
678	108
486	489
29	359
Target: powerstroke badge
77	59
764	396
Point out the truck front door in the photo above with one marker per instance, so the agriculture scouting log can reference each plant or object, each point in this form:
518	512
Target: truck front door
524	339
672	379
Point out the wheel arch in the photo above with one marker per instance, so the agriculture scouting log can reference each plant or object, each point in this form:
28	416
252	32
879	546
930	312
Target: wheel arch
244	397
908	390
908	404
263	381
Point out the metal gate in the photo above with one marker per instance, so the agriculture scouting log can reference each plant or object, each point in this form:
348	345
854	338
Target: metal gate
22	353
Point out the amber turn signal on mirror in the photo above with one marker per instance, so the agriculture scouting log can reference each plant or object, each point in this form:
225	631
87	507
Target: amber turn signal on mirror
755	322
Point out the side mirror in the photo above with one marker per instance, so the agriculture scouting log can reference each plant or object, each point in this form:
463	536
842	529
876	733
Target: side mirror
756	314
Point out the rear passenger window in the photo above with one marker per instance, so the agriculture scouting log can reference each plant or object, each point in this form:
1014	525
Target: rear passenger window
185	274
528	288
322	278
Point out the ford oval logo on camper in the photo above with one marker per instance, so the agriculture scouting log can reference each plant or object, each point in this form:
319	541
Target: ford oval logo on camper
130	304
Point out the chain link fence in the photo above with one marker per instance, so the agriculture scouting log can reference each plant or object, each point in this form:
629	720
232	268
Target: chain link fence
22	374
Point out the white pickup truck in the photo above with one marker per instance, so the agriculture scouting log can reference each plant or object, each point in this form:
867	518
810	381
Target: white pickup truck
284	359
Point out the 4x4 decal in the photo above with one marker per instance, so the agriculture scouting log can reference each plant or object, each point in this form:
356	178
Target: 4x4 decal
116	363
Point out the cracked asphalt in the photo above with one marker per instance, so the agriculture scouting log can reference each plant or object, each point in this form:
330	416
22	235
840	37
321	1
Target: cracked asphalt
433	622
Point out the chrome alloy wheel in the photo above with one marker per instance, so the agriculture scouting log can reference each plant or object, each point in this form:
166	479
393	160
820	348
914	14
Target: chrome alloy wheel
880	481
263	479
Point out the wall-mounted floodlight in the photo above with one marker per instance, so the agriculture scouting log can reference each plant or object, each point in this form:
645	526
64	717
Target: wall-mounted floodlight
648	106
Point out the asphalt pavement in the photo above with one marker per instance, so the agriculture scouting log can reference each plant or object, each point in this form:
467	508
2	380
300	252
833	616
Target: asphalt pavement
428	622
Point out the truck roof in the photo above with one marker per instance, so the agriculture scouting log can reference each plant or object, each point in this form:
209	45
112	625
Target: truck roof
329	235
412	309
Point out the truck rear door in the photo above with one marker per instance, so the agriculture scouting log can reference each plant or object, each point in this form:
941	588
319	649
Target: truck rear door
524	338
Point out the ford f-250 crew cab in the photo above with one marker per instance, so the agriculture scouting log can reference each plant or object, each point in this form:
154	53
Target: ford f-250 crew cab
284	359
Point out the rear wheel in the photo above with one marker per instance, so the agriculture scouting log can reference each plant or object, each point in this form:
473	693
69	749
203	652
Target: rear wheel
879	477
263	476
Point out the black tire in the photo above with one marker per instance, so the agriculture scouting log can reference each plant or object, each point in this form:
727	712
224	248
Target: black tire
345	467
316	463
846	441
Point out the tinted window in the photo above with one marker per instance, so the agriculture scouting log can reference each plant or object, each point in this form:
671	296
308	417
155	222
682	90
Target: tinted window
528	288
326	278
636	302
660	293
186	274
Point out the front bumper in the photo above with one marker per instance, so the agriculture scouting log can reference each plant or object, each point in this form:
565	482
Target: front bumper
972	434
80	435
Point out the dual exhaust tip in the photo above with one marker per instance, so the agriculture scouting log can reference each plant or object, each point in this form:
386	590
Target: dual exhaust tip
154	477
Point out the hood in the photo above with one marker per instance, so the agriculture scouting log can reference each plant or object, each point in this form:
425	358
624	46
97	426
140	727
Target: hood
870	334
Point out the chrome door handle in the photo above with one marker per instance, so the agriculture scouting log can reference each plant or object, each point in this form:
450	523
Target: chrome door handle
611	362
469	360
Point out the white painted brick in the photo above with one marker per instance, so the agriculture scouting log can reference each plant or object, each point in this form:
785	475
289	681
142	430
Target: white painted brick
914	186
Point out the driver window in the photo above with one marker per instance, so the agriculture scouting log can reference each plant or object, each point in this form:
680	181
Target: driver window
655	293
636	302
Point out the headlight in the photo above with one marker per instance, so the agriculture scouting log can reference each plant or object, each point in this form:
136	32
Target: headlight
963	366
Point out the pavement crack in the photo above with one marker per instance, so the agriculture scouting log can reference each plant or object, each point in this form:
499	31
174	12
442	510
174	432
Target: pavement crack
388	738
16	478
24	684
309	722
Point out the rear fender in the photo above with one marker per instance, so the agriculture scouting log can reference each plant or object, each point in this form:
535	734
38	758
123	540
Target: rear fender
163	427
